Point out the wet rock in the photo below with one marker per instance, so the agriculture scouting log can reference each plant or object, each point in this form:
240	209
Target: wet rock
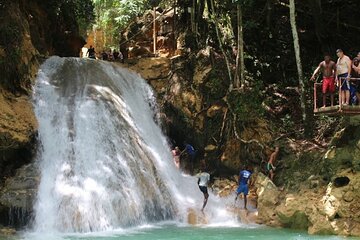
268	198
17	133
196	217
17	197
330	210
7	231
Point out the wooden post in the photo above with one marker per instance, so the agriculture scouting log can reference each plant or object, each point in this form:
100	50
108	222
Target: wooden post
154	31
340	99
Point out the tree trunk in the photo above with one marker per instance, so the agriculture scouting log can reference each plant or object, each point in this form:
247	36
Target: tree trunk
213	17
299	65
154	32
239	79
241	47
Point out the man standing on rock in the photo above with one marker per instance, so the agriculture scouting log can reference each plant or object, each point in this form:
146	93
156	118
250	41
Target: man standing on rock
327	68
270	164
244	177
203	181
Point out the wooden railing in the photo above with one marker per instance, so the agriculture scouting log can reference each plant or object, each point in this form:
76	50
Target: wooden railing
342	81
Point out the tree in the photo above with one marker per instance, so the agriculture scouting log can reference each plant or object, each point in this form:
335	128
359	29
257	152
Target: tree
114	15
298	64
239	78
221	45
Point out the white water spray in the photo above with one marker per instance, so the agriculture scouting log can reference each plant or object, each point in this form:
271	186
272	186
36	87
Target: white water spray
104	161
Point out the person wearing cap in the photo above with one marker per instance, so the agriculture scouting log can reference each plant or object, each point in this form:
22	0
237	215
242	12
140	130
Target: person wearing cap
343	71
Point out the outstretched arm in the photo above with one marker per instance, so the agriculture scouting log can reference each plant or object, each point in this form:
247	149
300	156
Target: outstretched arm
316	71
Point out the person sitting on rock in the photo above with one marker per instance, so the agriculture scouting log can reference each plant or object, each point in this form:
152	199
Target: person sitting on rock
104	55
270	168
91	52
244	177
203	181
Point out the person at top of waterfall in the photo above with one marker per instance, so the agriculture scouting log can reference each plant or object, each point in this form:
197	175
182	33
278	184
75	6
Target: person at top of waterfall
327	68
104	55
270	164
343	73
244	177
176	155
91	52
115	55
203	181
191	153
121	57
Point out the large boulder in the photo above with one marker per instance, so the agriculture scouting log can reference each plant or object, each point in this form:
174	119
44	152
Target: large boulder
268	198
331	209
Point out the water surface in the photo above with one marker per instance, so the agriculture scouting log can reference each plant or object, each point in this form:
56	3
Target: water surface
170	232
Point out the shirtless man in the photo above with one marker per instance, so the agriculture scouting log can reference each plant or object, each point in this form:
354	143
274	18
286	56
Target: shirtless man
270	164
327	68
343	70
355	73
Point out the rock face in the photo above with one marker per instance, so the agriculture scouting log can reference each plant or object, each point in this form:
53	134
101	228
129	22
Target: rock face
17	133
331	209
18	196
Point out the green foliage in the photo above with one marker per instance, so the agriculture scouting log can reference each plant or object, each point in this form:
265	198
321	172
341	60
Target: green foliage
217	85
114	15
246	105
10	39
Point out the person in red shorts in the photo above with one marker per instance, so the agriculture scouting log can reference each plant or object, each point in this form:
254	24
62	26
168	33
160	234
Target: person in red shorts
328	69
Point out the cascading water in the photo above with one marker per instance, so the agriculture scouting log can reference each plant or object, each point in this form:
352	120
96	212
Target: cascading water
104	161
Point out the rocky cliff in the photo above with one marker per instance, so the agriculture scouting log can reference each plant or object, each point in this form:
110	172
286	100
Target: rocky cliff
315	186
29	31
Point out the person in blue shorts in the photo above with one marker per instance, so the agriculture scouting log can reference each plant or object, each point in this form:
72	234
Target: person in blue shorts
244	177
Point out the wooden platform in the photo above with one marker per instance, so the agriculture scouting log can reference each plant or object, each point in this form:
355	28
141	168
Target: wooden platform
337	111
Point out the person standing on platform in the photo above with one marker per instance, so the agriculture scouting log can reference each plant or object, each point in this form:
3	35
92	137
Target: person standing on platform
343	71
327	68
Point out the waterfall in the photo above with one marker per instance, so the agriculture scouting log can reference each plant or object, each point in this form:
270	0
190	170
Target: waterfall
104	161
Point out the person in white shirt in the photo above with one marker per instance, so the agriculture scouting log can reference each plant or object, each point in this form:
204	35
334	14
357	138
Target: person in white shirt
203	180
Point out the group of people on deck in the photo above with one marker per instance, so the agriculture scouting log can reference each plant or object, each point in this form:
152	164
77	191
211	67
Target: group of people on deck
204	177
110	55
344	73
